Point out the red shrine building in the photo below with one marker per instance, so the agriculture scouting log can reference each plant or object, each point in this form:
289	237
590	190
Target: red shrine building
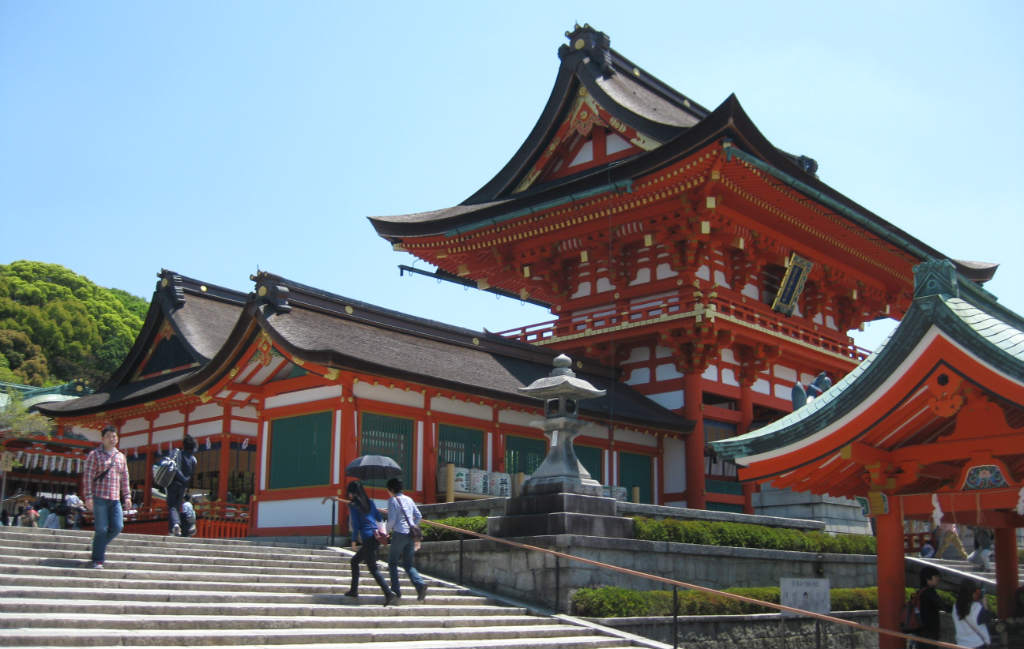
285	385
930	427
693	270
679	245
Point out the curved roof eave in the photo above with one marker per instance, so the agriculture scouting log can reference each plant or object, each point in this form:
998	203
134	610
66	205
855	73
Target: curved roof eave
997	342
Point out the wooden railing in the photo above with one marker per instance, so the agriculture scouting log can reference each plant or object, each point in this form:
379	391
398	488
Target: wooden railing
748	315
675	584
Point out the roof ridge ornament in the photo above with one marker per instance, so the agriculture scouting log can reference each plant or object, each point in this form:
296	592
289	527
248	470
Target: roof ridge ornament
936	277
594	44
272	293
171	284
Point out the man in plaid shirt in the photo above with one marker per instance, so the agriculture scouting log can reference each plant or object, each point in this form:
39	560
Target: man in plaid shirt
104	483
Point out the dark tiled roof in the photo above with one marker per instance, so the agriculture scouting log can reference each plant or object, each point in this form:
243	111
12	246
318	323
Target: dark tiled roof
325	328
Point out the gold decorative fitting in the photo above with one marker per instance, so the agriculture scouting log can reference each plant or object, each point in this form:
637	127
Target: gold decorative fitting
205	398
233	373
648	240
476	341
348	309
579	44
203	288
482	284
636	72
299	361
331	374
710	202
705	226
526	271
261	291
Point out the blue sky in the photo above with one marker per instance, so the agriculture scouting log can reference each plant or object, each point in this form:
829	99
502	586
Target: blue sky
215	138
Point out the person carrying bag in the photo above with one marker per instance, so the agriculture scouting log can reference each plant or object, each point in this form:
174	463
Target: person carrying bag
405	538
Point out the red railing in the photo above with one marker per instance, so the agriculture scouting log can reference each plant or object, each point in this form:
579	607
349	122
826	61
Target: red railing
749	315
214	520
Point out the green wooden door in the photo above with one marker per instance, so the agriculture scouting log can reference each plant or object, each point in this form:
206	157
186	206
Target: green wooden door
523	454
636	470
300	451
590	458
390	436
463	447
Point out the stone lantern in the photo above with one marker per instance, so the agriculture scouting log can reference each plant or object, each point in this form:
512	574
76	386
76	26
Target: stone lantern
561	497
561	471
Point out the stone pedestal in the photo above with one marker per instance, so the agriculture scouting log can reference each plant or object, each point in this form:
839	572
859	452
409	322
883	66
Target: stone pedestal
541	514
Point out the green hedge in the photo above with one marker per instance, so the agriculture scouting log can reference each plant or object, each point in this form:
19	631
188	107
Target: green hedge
745	535
611	601
471	523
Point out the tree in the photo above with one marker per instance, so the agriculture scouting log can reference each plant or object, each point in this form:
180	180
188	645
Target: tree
56	325
17	421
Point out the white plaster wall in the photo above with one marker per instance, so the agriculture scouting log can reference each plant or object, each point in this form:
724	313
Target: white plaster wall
248	412
783	392
134	425
720	279
300	512
703	272
303	396
665	271
729	378
519	418
643	276
132	441
666	371
634	437
206	411
202	429
604	285
583	290
675	464
670	400
662	352
593	429
751	291
728	356
711	373
171	418
90	434
250	428
173	435
761	387
785	373
638	354
398	396
466	409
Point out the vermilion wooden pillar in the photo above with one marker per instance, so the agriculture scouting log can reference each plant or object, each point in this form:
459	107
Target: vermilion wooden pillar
746	405
693	410
1006	569
891	573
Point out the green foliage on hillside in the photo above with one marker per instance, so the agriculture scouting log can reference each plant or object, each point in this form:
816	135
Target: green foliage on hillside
56	326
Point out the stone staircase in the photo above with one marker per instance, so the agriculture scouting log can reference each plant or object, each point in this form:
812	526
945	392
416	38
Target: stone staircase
165	591
953	571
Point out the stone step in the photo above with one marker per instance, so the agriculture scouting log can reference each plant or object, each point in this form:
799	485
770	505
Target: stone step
157	591
171	622
188	636
46	608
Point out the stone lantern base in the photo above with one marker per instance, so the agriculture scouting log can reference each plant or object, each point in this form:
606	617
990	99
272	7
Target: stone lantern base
560	512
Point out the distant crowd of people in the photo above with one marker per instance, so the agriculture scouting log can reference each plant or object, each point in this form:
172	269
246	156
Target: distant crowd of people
44	512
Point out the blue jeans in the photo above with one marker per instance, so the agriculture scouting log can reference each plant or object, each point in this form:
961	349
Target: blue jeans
108	521
402	549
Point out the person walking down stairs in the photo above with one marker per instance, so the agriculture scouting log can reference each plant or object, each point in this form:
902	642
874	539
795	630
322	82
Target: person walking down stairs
364	522
105	483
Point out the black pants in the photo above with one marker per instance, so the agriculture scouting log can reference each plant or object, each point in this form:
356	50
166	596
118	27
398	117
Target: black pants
368	555
175	498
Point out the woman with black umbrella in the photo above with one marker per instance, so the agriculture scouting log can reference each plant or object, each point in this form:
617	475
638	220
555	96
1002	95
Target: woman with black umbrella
364	521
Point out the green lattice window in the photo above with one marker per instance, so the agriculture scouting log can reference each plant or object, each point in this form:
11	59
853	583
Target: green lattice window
390	436
590	458
636	470
460	446
523	454
300	451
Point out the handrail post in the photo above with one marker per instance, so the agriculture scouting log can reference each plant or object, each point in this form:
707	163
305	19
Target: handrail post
558	584
461	557
334	512
675	616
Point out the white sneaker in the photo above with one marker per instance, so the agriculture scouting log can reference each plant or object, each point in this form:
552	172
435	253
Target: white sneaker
175	531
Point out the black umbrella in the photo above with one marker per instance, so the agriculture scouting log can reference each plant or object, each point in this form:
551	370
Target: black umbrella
373	467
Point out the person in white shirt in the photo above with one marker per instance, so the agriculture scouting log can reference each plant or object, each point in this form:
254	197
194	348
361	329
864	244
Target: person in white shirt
969	632
403	520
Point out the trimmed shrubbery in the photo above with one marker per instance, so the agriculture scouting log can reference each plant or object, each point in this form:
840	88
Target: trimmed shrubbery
471	523
745	535
611	601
